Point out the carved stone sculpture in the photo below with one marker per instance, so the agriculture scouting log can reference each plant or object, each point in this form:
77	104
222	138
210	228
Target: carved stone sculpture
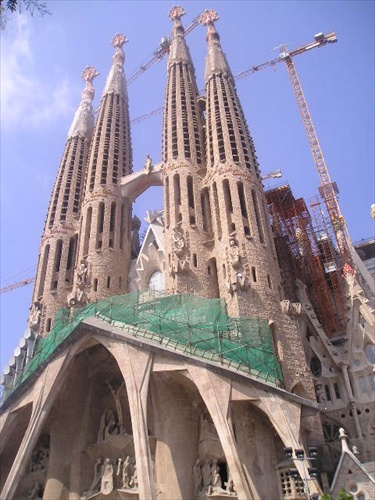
116	396
237	276
126	473
106	486
148	165
35	316
320	394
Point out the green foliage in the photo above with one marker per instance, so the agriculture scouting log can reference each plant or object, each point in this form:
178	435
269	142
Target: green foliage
30	6
342	495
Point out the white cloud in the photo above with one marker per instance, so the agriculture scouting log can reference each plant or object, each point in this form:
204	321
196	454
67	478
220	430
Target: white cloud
28	99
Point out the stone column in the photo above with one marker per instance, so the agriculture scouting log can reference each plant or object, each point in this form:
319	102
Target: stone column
216	392
286	418
135	366
45	393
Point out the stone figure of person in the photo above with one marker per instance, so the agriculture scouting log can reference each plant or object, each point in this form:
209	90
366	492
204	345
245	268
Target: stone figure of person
106	486
35	316
148	165
320	394
197	478
111	428
215	477
116	397
126	473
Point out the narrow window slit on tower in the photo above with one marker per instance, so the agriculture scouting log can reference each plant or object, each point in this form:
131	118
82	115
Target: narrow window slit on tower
206	211
112	224
100	227
254	274
244	212
71	258
217	210
195	261
95	284
108	282
190	190
56	264
257	216
177	197
43	271
228	205
87	232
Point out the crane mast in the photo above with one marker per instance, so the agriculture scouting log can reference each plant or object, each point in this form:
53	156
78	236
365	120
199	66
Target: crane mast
328	189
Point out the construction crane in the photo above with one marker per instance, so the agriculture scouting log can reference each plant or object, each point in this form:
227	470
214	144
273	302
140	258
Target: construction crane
158	55
17	284
328	189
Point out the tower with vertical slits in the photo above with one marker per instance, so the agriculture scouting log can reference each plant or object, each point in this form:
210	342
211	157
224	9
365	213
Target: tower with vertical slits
248	275
188	228
104	245
57	256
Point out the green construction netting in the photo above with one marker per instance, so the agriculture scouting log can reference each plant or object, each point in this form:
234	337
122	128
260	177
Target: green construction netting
187	323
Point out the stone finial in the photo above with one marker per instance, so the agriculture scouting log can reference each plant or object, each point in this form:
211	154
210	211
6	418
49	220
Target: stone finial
209	16
118	41
88	75
176	13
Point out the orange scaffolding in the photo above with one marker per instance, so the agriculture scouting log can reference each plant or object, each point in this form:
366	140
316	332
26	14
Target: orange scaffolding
305	251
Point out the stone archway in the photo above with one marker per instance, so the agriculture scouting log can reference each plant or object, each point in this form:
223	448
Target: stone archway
11	438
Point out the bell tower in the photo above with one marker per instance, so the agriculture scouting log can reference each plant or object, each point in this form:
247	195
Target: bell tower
247	268
188	227
104	246
58	249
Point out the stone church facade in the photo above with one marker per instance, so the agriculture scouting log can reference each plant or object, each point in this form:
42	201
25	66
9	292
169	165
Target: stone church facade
197	364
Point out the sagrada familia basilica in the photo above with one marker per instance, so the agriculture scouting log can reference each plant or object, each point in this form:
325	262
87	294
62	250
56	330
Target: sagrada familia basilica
230	354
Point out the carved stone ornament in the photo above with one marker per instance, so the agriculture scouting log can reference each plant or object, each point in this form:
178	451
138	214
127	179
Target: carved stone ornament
176	12
106	485
291	308
82	286
208	16
35	315
119	40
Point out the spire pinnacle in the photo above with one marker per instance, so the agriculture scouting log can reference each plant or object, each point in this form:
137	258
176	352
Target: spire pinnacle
83	122
207	18
118	41
116	77
175	15
88	75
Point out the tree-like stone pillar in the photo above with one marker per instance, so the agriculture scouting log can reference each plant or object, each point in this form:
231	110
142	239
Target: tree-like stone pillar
45	390
216	392
286	418
135	366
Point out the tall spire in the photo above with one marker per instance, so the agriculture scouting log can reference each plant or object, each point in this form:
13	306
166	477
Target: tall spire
183	156
216	61
116	77
182	131
83	122
248	277
59	241
104	251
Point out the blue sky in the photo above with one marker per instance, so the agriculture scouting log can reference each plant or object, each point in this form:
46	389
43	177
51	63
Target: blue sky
42	60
